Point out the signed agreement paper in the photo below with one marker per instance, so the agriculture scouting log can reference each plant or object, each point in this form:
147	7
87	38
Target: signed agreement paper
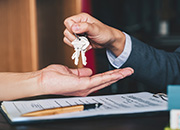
130	103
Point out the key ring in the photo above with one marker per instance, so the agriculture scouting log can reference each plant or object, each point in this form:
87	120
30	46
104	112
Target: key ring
77	36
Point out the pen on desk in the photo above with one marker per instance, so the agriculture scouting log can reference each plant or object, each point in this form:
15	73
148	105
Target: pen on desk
61	110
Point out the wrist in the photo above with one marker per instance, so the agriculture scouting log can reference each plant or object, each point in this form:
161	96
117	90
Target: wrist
31	84
19	85
118	44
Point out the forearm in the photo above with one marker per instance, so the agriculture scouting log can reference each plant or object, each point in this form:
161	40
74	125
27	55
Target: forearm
19	85
153	67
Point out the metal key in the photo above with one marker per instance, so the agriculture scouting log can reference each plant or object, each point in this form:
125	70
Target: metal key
77	48
83	57
76	56
80	44
84	49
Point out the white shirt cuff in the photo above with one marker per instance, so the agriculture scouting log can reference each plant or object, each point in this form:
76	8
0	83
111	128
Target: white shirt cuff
117	62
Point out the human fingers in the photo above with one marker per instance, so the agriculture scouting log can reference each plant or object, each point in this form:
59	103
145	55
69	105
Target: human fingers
88	85
124	72
82	17
101	86
82	72
67	41
68	37
84	27
92	30
85	92
111	76
68	22
71	37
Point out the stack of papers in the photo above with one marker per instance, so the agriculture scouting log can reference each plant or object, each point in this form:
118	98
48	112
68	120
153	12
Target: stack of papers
112	104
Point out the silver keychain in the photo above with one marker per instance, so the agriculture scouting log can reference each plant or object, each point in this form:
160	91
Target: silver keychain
80	45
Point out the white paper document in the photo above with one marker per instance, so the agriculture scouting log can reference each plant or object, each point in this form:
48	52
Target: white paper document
112	104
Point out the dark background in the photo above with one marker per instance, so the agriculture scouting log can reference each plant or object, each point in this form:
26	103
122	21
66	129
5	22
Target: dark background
141	19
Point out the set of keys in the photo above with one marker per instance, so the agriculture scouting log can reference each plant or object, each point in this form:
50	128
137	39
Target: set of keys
80	45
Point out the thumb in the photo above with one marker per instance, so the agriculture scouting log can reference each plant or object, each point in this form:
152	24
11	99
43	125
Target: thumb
88	28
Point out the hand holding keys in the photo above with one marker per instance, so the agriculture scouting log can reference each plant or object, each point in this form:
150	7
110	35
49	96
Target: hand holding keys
80	46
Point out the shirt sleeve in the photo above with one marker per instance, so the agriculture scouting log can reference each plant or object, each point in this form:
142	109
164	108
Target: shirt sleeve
117	62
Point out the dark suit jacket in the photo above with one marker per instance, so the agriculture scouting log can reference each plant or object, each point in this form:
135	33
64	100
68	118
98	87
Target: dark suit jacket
154	67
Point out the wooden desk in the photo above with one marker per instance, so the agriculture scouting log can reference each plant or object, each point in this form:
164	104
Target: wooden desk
155	121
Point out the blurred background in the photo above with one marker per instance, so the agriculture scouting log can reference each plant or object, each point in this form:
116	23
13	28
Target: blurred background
31	33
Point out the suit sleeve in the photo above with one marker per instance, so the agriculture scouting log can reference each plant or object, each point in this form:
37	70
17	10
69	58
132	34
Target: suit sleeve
154	67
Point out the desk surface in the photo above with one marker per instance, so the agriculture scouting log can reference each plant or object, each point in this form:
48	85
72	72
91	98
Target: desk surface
155	121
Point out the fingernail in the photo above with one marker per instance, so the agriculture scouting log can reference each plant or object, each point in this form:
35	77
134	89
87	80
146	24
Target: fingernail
75	27
127	72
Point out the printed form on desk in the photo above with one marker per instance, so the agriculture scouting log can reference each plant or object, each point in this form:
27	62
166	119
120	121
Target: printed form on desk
112	104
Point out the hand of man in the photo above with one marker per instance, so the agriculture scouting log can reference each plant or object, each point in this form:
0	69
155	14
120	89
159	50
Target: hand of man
99	34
